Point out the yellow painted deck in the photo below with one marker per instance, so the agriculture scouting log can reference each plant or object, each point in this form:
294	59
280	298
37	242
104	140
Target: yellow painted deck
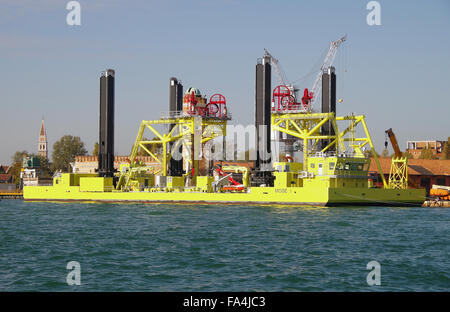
255	195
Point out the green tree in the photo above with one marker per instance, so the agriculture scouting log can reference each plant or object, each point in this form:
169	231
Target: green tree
446	150
65	150
141	151
407	155
16	166
154	148
368	153
18	156
95	151
426	153
46	169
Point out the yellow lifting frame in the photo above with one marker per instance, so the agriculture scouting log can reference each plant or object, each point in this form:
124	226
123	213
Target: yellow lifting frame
307	127
211	128
398	176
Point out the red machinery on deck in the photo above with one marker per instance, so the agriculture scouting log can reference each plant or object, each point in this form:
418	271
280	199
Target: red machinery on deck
195	104
283	100
217	106
222	173
235	186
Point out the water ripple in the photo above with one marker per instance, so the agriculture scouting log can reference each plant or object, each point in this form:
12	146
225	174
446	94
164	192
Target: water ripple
143	247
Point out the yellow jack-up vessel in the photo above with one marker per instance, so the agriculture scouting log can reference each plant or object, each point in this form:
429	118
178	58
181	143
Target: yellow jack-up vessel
329	168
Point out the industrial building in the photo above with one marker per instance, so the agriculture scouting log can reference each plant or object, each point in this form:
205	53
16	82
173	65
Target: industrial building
415	147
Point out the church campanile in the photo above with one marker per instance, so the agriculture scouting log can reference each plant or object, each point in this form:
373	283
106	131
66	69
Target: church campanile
42	149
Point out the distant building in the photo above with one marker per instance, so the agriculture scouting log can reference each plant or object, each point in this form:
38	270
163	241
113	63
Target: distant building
30	177
31	170
6	183
89	164
42	147
6	180
416	147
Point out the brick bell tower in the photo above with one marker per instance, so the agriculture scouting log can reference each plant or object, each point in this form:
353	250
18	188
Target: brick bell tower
42	147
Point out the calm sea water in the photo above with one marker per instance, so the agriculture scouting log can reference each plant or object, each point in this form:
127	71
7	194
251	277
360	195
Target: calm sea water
143	247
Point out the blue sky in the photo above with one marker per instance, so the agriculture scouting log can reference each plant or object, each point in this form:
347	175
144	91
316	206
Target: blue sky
397	74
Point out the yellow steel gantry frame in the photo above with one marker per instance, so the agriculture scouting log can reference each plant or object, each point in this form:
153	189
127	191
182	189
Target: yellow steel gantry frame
307	128
398	176
183	130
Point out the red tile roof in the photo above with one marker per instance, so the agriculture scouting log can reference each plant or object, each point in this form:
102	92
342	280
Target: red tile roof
416	166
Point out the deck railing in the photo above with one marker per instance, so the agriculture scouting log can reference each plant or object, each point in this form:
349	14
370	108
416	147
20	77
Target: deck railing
183	114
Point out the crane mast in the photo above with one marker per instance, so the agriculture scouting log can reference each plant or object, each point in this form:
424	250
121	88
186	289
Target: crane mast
394	143
329	59
274	61
281	75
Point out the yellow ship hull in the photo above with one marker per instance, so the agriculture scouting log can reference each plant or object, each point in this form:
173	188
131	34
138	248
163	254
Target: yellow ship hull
256	195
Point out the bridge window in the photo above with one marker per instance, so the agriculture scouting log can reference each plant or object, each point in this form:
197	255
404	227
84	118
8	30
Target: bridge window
331	165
